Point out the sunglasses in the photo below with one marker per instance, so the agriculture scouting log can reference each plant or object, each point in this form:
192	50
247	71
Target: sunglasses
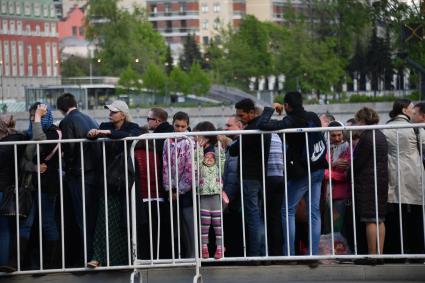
151	119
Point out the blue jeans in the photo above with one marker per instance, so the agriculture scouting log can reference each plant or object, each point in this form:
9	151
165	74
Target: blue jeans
298	189
4	236
50	227
254	223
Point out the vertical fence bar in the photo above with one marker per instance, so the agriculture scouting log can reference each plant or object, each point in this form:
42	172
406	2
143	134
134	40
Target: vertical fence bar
376	192
158	213
310	227
198	250
127	209
149	201
40	219
170	196
220	176
177	200
61	205
353	201
18	244
133	211
421	166
242	199
286	195
399	193
330	192
105	191
264	195
83	195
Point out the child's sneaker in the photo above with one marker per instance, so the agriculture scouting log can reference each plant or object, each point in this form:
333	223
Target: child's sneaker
218	253
205	253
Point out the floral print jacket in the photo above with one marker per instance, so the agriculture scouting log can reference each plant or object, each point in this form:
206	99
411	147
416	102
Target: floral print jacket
210	177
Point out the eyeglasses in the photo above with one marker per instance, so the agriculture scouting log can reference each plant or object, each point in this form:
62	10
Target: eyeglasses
151	119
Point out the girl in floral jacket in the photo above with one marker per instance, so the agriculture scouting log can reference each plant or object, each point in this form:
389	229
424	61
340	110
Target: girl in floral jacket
210	161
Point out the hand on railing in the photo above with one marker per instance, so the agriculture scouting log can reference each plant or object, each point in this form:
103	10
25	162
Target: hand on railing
42	168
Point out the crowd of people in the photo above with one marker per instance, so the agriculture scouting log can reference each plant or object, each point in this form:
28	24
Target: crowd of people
280	194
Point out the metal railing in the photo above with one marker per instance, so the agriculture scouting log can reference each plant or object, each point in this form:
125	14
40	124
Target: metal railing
133	200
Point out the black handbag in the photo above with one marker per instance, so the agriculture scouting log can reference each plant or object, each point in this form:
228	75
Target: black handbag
115	173
8	204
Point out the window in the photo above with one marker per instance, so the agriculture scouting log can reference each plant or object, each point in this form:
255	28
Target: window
11	7
205	24
46	29
48	60
4	7
29	57
14	57
169	27
205	40
37	12
27	8
5	26
55	58
6	58
21	58
74	31
81	31
28	29
216	23
39	61
204	7
167	9
216	7
52	11
183	8
37	29
53	28
154	9
46	10
19	27
12	27
18	8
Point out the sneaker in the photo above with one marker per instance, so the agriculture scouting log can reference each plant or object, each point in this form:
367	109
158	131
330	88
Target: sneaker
93	264
218	253
205	253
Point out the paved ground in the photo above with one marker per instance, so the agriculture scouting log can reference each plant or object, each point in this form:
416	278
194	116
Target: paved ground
245	274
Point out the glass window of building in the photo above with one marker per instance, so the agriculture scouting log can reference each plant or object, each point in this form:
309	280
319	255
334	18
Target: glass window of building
18	8
153	9
4	7
19	27
82	31
183	7
205	24
216	23
28	29
53	28
204	7
27	8
74	31
21	58
14	59
11	7
46	29
37	29
48	60
52	11
5	26
6	58
12	27
29	58
167	8
205	40
37	11
46	10
169	26
217	7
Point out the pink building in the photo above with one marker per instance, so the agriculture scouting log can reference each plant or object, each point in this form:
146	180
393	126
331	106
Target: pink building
73	24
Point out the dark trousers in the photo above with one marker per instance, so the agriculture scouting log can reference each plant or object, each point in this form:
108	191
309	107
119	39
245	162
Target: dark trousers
274	196
160	219
74	186
413	233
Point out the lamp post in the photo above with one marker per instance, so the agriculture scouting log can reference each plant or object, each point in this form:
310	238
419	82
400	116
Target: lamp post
1	82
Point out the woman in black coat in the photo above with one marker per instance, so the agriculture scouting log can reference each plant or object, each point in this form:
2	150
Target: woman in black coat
364	179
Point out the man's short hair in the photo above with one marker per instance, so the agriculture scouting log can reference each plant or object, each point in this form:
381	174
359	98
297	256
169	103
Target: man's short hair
293	99
159	114
328	115
181	116
421	107
65	102
245	105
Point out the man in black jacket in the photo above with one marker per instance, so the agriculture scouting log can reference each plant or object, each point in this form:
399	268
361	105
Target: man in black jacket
252	174
76	125
297	172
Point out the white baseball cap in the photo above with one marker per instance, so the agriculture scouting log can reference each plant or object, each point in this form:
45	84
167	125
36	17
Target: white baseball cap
118	106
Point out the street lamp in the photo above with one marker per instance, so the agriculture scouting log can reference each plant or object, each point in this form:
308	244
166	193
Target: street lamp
1	81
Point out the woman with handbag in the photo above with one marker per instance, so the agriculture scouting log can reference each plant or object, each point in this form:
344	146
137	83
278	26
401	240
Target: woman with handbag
42	128
120	126
7	186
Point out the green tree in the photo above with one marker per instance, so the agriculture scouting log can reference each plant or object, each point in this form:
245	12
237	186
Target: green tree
75	66
129	79
191	53
178	81
169	62
122	38
155	79
199	82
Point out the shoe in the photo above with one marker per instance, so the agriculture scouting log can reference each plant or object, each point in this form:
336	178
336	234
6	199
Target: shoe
7	269
205	252
313	263
218	253
93	264
365	261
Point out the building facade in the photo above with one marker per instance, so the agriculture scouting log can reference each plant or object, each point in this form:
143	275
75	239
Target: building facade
29	46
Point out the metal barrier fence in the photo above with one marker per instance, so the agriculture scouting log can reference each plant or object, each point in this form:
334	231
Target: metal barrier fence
151	211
